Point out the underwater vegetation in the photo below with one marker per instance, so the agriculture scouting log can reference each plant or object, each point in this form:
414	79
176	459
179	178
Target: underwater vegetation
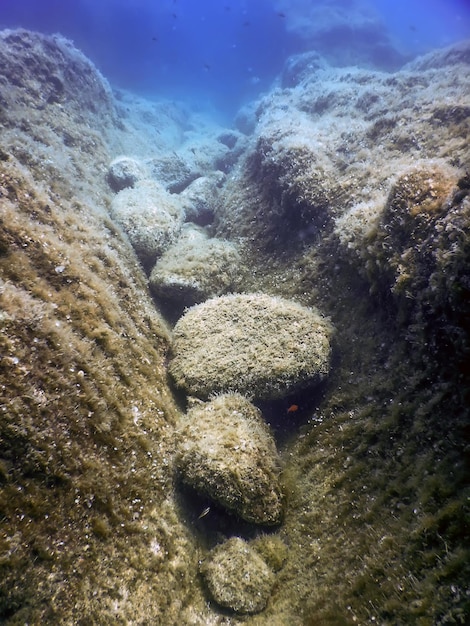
343	199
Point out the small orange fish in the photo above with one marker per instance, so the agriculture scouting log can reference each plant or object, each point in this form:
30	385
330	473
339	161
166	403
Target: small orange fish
293	408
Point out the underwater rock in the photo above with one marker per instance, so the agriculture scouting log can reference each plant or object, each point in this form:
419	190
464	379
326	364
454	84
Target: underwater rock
194	268
237	577
208	154
236	143
49	72
151	217
301	66
454	55
173	172
420	252
84	446
228	453
258	345
347	33
124	172
336	154
272	550
199	198
246	118
88	421
229	138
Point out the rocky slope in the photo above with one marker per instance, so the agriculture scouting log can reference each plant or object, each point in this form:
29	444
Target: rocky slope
346	192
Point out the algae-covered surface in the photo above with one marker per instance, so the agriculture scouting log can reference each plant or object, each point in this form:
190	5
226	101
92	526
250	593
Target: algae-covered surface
351	196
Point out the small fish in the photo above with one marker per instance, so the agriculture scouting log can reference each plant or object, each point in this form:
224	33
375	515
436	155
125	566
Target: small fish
205	512
293	408
282	14
207	67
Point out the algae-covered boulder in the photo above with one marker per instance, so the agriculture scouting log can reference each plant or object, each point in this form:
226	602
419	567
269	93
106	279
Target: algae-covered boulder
237	577
199	198
124	172
194	268
420	253
227	453
151	217
258	345
173	172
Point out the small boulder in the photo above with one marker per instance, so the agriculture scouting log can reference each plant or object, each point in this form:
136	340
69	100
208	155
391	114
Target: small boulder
228	454
173	172
199	198
194	269
237	577
151	217
261	346
124	172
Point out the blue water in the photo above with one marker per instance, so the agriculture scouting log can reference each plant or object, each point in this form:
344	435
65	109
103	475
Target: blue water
222	53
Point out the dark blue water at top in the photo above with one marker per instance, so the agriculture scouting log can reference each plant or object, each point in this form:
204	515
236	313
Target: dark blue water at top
222	53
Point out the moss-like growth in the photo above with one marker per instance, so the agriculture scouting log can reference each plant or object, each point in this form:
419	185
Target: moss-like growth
261	346
421	253
237	577
85	484
227	453
273	550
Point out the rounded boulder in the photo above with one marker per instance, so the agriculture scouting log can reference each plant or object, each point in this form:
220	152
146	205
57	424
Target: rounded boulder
260	346
194	268
228	453
237	577
151	217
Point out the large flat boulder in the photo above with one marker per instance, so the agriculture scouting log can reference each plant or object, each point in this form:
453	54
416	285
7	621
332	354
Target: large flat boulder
258	345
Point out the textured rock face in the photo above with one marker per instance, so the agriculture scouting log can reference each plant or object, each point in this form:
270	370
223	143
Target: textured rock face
237	577
83	495
348	134
200	198
172	172
228	453
194	268
258	345
52	72
420	253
